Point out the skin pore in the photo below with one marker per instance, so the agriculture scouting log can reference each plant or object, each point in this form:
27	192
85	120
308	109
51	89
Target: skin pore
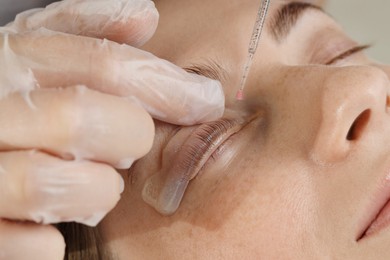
298	180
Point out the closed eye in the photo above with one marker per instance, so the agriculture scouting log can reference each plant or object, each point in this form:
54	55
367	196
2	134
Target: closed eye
348	53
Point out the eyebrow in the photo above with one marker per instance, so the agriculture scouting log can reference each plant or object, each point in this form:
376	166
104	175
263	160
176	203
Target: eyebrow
287	17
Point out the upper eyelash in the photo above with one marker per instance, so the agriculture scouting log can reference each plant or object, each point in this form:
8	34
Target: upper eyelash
348	53
202	70
210	69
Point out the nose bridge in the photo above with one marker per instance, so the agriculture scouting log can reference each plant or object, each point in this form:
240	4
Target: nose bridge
352	99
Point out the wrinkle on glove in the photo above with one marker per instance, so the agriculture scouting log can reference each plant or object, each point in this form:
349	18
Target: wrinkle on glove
123	21
165	90
14	76
45	189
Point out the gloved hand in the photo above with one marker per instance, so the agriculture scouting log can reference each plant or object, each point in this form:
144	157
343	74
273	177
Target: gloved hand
74	107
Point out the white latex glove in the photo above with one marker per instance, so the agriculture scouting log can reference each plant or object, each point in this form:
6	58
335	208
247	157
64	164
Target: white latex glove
65	93
166	91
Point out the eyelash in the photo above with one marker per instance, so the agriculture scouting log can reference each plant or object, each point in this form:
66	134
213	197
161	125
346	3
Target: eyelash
208	68
204	71
347	54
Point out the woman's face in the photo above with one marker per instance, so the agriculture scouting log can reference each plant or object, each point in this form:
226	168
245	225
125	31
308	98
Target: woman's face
305	168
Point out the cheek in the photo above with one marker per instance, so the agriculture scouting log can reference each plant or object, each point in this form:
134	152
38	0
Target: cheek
261	207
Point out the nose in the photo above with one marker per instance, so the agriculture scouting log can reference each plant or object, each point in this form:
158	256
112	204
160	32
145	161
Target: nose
354	103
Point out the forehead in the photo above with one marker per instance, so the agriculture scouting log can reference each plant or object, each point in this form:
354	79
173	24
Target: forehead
190	28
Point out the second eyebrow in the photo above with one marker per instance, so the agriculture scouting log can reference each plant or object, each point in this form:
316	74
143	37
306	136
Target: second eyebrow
286	18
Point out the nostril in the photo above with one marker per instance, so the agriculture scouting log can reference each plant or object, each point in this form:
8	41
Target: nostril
359	124
388	102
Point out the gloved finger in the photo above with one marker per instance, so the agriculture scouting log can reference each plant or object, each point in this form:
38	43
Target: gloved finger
23	240
45	189
124	21
166	91
77	122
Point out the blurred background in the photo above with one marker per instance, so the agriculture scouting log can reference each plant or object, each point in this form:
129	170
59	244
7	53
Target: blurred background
8	8
366	21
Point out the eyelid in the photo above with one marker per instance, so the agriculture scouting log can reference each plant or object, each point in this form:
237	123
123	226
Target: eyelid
347	53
